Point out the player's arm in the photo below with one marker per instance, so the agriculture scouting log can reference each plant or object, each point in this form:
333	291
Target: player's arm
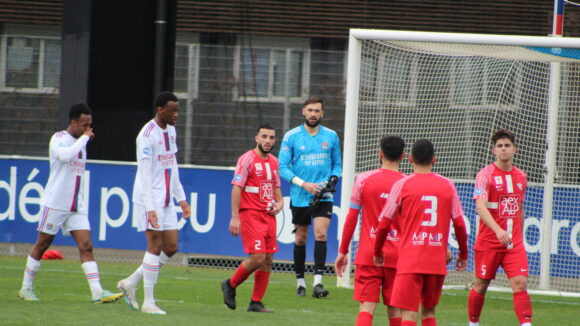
235	220
336	158
487	219
145	166
347	232
66	154
461	235
179	193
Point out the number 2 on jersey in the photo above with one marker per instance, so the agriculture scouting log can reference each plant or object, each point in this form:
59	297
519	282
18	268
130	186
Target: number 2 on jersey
432	211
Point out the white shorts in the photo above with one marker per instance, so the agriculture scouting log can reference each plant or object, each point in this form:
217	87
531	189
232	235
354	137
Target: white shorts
53	220
166	218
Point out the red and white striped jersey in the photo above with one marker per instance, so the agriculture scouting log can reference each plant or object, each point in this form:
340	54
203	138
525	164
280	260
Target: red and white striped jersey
258	179
65	187
505	193
158	147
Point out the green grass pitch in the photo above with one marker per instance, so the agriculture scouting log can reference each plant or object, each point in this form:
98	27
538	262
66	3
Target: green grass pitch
192	296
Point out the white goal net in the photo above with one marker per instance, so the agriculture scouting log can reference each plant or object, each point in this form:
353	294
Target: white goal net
457	89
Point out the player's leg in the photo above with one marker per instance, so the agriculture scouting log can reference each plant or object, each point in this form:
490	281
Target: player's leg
42	243
321	224
151	270
367	289
486	265
301	220
431	293
366	311
261	279
394	313
407	295
515	264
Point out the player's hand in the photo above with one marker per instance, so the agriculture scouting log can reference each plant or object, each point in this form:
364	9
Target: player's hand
235	226
504	237
152	219
460	264
312	188
340	264
277	208
449	256
185	209
379	261
89	133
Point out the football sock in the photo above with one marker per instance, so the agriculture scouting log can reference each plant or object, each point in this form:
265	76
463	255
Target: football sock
239	276
395	321
299	260
319	257
93	277
475	305
408	323
364	318
301	282
471	323
523	307
32	267
431	321
137	276
163	259
317	279
150	275
260	285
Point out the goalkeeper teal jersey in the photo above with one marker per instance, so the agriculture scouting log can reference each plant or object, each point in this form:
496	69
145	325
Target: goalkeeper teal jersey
310	158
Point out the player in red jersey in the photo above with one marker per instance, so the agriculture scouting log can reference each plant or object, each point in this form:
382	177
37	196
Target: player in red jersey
499	199
423	203
256	199
369	193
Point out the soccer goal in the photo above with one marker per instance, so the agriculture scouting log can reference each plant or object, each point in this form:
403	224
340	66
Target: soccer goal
457	89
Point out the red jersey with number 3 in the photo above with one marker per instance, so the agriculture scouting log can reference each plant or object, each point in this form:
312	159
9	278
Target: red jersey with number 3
258	179
370	192
505	193
424	204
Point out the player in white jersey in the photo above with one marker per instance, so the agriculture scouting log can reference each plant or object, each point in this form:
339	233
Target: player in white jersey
156	185
63	205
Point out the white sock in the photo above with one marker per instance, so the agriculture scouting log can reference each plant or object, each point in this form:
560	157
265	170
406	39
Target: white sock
32	267
150	275
137	276
471	323
526	324
163	259
301	282
93	277
317	279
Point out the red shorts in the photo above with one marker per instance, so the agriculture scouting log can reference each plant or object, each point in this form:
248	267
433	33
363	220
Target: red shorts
369	281
258	231
514	262
410	290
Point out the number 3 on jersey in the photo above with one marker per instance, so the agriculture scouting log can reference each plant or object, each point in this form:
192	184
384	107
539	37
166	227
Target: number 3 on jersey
432	211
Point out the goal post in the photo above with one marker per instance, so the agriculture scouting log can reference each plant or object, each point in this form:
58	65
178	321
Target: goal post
457	89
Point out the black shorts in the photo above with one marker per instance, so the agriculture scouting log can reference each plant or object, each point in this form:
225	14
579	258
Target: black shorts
303	215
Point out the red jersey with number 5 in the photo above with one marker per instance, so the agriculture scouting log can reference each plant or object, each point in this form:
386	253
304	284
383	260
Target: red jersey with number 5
505	193
424	204
258	179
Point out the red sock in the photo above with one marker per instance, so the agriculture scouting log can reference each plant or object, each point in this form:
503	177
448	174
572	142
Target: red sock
523	307
408	323
431	321
260	285
395	321
364	318
475	305
239	277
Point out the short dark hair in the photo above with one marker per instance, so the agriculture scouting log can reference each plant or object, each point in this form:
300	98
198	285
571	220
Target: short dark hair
503	133
423	152
265	126
163	97
77	109
392	147
314	99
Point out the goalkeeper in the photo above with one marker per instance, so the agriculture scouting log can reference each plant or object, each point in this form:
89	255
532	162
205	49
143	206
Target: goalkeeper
310	160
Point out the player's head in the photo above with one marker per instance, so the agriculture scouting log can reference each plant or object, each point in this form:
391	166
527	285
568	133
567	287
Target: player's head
313	111
504	145
166	107
423	152
392	148
265	138
80	119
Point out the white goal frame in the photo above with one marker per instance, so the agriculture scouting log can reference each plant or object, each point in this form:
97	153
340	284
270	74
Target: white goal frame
352	103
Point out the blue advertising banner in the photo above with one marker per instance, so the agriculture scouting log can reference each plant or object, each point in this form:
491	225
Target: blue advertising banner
109	187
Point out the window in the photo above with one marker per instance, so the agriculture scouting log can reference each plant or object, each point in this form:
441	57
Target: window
272	73
186	70
30	63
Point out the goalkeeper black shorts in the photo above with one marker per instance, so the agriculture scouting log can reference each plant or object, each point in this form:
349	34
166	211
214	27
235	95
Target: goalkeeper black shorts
304	215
